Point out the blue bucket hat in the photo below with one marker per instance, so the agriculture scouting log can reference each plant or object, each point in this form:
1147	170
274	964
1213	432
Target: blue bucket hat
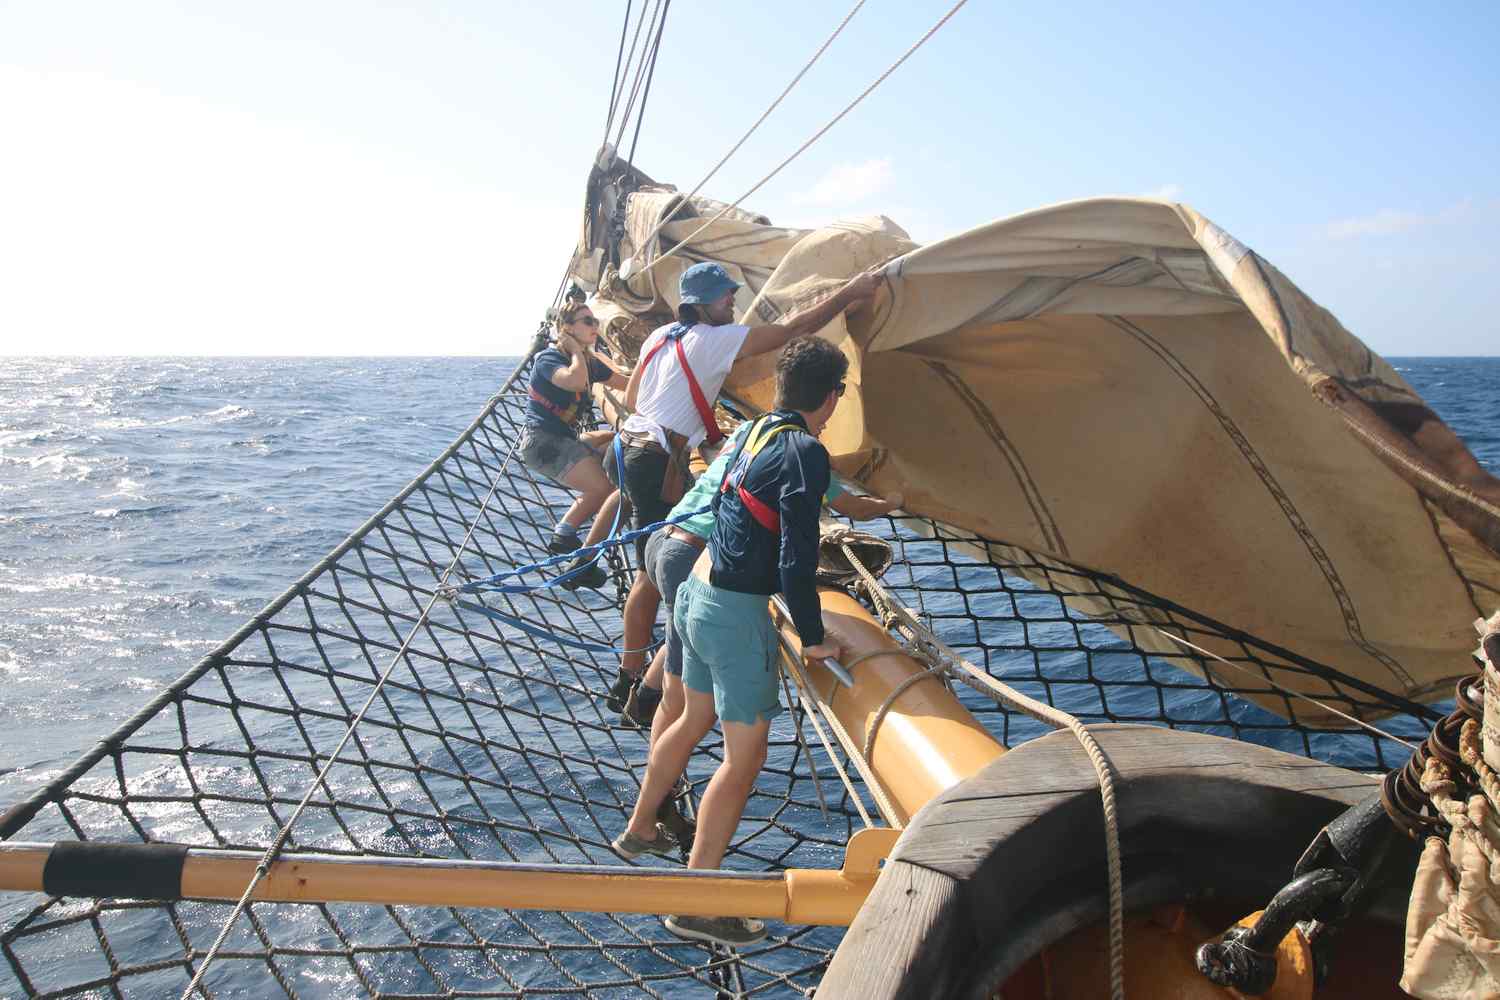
705	283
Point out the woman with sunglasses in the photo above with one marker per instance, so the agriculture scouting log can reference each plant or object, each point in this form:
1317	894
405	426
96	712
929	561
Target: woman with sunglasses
561	377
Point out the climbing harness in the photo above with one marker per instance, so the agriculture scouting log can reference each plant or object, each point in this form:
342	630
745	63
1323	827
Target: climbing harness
750	445
674	336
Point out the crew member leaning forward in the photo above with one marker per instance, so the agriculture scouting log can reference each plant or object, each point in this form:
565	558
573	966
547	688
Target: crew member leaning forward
670	553
764	541
672	411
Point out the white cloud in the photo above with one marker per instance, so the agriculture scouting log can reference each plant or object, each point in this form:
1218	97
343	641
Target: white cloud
848	184
1389	221
1167	192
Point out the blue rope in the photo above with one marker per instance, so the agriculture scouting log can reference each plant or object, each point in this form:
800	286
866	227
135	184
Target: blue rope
585	556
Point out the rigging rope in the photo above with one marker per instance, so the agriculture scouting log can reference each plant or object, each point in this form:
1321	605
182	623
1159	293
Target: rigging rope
614	93
751	130
1286	690
813	138
640	67
650	75
949	661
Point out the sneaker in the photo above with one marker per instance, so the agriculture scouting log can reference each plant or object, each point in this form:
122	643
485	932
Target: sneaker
640	707
593	577
670	818
619	692
562	541
731	932
628	846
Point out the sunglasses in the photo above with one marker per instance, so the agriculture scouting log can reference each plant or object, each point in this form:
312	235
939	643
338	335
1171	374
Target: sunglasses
839	389
587	321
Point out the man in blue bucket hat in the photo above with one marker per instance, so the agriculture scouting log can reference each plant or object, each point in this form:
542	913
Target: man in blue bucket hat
671	395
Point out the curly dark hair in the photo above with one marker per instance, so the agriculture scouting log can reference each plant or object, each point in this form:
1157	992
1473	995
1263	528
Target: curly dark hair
808	369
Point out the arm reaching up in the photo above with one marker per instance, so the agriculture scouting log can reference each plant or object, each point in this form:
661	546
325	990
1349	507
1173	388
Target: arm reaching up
774	336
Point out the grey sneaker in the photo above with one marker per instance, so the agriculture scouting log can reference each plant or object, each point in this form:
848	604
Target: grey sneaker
628	846
731	932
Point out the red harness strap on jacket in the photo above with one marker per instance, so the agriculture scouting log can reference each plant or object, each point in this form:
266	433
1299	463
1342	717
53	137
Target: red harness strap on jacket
757	438
700	402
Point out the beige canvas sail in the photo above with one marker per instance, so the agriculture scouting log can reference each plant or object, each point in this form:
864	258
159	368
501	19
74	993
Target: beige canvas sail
1120	383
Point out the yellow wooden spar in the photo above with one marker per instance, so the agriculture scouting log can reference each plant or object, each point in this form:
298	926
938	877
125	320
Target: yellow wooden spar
926	743
796	896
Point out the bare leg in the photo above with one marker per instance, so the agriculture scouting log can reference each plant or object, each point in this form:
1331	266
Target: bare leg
728	791
587	477
604	520
673	701
669	758
640	612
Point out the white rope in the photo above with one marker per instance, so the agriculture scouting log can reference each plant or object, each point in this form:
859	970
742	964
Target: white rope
751	131
1284	690
950	661
802	745
814	138
263	867
792	660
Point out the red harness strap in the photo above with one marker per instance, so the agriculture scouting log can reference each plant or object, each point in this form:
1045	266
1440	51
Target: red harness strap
565	416
756	439
700	402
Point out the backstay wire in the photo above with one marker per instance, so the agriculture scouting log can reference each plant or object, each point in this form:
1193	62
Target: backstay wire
614	93
812	139
752	129
263	867
640	70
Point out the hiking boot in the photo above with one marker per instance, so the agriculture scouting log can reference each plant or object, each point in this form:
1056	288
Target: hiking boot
731	932
619	692
562	541
628	846
593	577
670	818
640	707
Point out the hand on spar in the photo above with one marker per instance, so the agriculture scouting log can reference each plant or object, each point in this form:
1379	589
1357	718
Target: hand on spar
827	648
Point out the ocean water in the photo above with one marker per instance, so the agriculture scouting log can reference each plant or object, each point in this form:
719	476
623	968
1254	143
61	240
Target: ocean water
148	507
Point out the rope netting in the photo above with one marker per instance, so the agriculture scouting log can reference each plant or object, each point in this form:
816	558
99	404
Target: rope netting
490	743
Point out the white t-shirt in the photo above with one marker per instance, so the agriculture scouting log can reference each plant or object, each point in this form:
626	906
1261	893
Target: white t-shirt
663	401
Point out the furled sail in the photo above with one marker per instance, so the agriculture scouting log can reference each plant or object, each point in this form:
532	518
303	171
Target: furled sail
1120	383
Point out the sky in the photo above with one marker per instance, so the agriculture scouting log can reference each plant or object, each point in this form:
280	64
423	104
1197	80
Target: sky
337	178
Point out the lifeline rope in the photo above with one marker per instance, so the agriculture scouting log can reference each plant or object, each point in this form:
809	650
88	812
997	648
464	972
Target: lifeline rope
1042	712
812	139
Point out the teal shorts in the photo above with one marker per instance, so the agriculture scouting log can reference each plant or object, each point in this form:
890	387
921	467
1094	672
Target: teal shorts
729	650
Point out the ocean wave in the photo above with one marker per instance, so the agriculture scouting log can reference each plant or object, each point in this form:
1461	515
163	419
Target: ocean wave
223	415
65	581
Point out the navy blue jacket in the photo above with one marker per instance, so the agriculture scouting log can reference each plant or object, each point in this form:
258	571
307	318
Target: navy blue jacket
790	476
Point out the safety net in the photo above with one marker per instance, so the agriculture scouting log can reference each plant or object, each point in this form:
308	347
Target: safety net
492	742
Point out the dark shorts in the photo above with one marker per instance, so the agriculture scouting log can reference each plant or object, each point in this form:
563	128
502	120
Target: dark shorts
645	469
668	562
552	454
